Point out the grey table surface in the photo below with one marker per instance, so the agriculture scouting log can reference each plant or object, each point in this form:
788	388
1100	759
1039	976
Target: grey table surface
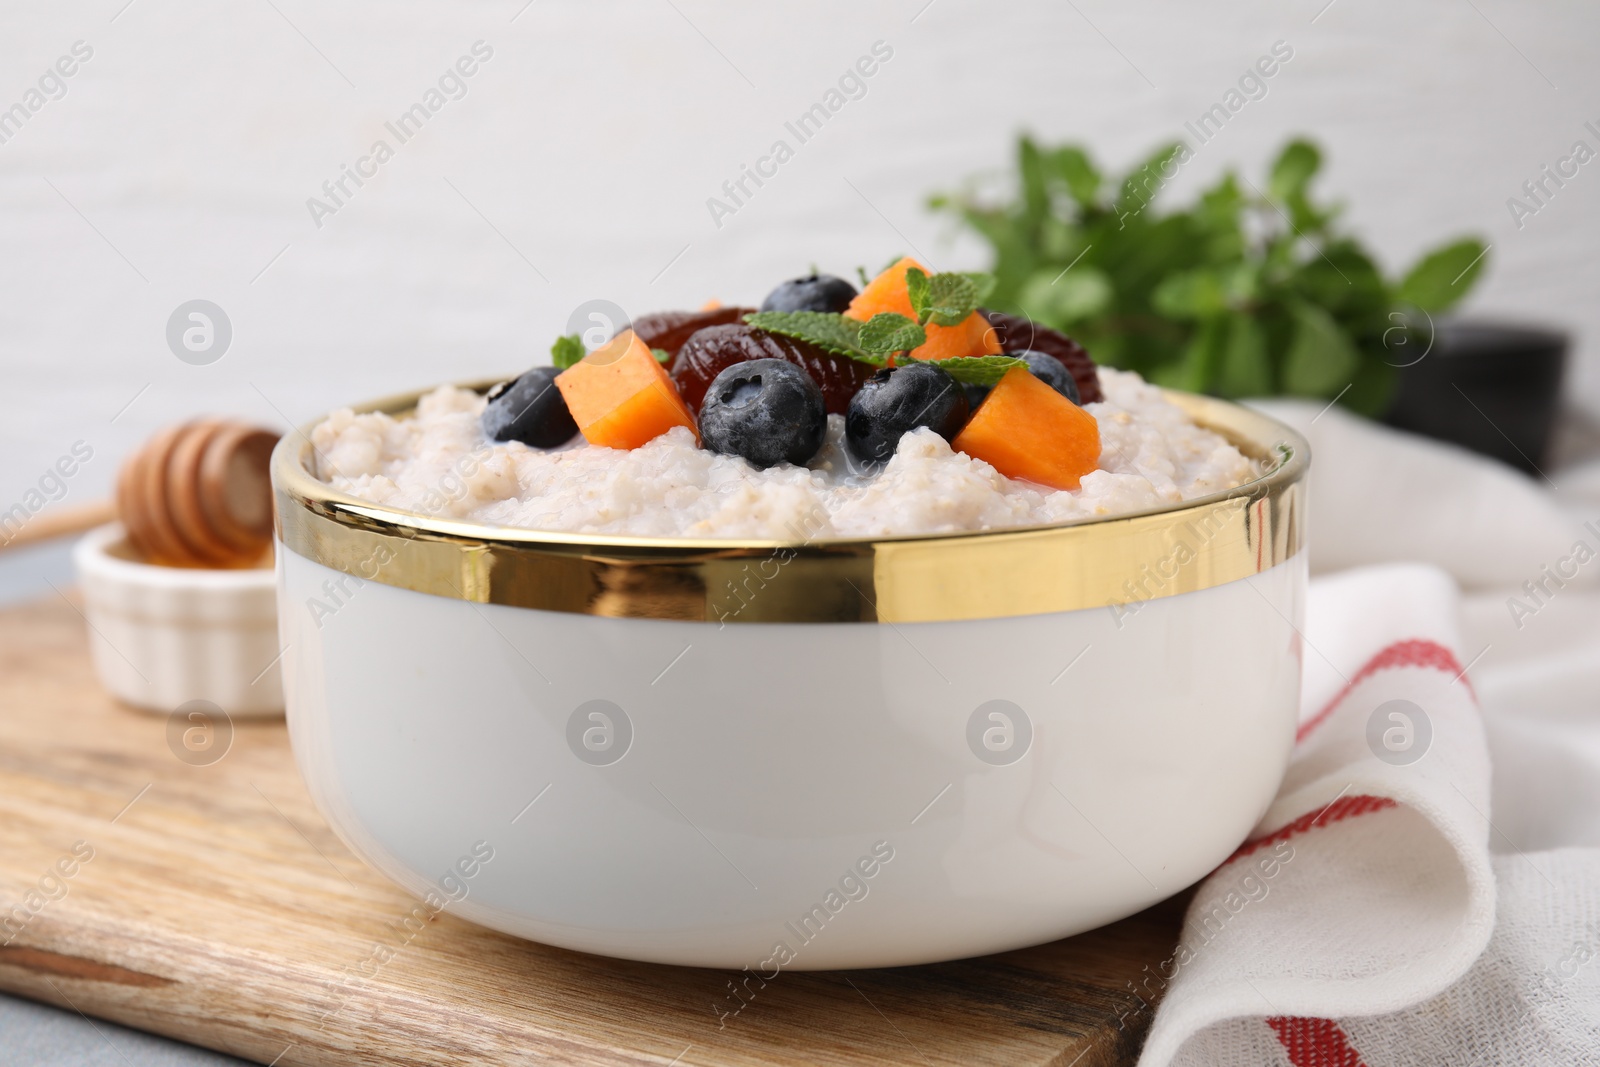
34	1034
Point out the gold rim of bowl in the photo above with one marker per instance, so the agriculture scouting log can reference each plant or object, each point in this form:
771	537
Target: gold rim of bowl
1115	562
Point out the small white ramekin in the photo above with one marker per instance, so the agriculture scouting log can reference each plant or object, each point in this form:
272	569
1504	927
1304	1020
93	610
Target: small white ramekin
163	636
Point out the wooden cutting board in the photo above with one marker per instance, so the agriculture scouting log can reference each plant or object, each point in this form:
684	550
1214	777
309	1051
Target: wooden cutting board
212	904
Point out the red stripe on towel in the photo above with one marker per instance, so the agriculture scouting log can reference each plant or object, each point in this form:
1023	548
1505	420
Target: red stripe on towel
1341	809
1413	653
1315	1042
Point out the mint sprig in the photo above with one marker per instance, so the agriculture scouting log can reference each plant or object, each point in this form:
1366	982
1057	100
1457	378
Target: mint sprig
948	297
887	333
828	331
567	351
985	284
917	288
662	355
974	370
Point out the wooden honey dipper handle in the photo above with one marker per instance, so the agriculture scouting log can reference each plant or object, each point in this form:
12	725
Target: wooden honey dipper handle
198	495
56	522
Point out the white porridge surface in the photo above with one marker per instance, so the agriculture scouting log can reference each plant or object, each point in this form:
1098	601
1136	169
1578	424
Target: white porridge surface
437	462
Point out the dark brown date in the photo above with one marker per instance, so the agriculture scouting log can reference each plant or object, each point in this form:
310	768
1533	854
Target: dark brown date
1019	334
667	330
715	348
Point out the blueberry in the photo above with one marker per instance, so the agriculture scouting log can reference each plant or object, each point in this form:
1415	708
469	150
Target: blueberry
898	400
530	409
766	410
1051	371
815	292
1045	367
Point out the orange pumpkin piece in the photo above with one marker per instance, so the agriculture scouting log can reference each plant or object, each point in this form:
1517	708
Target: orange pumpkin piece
621	397
972	336
1025	429
887	294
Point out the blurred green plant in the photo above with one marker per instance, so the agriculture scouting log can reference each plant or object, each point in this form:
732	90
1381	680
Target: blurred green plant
1244	293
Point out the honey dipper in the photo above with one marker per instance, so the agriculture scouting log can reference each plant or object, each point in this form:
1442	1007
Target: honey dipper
198	495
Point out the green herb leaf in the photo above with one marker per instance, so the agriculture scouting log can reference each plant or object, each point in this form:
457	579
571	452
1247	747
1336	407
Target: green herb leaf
951	298
974	370
1346	282
917	289
1035	191
1197	363
984	283
662	355
1144	182
887	332
1075	168
567	351
1060	299
1244	370
1190	294
1373	388
1296	165
1320	360
1444	275
1219	209
947	297
861	272
828	331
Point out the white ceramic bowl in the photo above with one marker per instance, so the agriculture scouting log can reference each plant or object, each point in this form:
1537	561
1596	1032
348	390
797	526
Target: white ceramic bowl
161	637
893	752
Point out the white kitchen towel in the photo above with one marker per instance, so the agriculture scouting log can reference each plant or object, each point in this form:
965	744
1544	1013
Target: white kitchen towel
1382	496
1381	914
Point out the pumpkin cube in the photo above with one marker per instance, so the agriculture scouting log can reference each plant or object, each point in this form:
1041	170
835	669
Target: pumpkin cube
1025	429
887	293
621	396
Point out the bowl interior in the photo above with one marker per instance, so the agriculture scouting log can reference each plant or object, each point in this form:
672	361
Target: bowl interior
1278	452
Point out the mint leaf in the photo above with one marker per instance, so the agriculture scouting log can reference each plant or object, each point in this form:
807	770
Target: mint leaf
1190	294
1078	171
874	341
917	289
984	283
1444	275
1059	298
1321	358
1293	170
1245	368
1197	361
948	297
975	370
1142	183
567	351
829	332
861	272
887	332
951	298
662	355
